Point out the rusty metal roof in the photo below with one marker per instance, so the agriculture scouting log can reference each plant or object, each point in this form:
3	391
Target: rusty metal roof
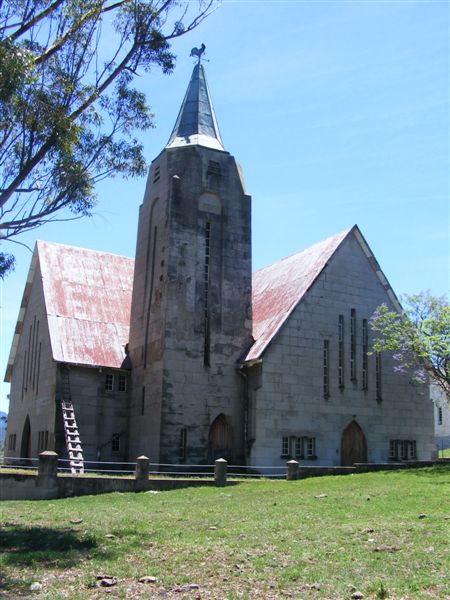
278	288
88	301
88	298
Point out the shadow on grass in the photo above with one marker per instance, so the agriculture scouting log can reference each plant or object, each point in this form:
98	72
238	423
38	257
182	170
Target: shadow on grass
35	547
25	546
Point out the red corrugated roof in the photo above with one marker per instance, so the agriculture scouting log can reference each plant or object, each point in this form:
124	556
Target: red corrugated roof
88	302
278	288
88	299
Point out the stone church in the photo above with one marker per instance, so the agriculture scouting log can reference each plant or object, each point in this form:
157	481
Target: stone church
183	355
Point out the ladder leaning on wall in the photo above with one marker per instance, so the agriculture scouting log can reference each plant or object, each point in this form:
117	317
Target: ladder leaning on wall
71	433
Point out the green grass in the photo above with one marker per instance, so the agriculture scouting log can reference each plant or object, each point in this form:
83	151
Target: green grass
444	453
317	538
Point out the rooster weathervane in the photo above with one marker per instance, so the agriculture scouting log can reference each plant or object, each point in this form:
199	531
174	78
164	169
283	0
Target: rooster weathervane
198	52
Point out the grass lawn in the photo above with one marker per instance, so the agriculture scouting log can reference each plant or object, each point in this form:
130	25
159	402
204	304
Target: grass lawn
384	535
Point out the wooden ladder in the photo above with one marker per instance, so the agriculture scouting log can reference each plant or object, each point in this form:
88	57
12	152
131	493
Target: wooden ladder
73	442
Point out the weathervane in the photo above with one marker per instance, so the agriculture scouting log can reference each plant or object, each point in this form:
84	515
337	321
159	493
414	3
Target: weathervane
198	52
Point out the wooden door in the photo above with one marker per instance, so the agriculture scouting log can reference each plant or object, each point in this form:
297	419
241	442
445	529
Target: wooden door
353	445
220	439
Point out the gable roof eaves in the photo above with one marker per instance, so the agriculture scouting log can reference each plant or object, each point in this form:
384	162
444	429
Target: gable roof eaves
260	346
376	268
22	311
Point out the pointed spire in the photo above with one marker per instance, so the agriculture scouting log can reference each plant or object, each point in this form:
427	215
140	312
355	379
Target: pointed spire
196	122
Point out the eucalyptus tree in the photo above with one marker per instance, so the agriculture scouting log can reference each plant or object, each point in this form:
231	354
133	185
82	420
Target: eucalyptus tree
68	109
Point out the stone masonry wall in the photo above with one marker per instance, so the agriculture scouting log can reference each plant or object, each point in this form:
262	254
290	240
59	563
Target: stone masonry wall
33	379
291	400
208	204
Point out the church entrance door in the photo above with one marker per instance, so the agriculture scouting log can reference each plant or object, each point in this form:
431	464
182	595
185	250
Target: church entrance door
353	445
220	439
25	444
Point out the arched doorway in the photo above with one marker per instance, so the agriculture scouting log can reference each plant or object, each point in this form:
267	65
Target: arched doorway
25	444
220	439
353	445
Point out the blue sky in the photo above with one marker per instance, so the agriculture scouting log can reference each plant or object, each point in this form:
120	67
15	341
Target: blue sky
338	113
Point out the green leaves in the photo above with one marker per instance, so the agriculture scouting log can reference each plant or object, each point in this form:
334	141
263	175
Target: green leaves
67	106
419	338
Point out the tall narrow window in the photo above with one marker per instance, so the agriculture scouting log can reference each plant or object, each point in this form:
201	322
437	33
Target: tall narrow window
122	383
299	452
38	368
24	374
365	349
32	353
284	446
326	368
310	447
206	271
28	360
143	400
353	344
378	376
109	382
183	443
115	442
12	441
341	352
439	412
150	295
36	346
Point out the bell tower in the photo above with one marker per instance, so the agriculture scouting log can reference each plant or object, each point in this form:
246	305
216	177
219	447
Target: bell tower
191	306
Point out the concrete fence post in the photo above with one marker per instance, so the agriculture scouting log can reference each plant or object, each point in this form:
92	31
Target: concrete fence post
47	468
141	474
292	470
220	472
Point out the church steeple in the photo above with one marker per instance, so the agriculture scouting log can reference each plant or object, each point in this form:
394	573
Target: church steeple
196	123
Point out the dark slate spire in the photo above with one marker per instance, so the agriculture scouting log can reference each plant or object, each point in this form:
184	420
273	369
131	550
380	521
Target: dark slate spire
196	122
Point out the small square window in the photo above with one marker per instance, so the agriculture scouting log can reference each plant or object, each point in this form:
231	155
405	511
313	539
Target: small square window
122	383
109	382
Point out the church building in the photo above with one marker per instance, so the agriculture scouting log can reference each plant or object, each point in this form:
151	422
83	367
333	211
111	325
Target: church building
185	356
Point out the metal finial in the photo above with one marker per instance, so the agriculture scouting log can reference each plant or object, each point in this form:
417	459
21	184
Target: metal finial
198	52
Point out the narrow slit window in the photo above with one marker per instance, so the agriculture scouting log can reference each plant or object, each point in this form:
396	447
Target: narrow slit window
365	350
353	344
378	376
183	443
143	401
12	441
38	368
285	446
326	369
35	361
206	278
24	375
439	413
341	352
